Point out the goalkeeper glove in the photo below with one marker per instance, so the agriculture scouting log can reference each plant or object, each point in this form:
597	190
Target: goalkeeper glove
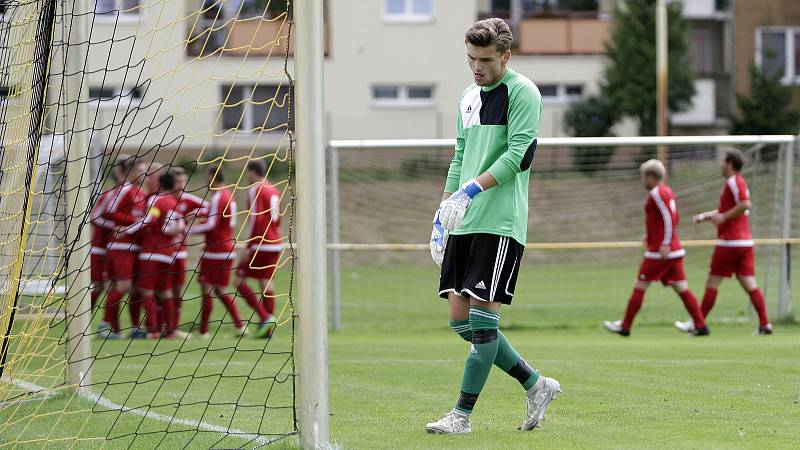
453	209
438	240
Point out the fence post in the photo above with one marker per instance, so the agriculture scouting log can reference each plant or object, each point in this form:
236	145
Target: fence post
335	253
785	289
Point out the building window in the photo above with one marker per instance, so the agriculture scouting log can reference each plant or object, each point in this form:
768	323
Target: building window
397	95
561	92
408	10
256	109
778	52
112	96
123	7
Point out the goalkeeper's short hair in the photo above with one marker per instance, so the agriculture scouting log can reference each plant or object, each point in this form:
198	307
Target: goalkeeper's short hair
654	168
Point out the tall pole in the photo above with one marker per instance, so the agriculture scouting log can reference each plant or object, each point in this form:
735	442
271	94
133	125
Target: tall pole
336	276
661	77
312	276
785	282
78	183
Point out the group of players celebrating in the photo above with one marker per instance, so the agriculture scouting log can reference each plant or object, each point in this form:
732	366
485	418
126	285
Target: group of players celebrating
139	232
663	259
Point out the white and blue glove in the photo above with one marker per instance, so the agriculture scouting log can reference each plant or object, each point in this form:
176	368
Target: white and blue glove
452	210
438	240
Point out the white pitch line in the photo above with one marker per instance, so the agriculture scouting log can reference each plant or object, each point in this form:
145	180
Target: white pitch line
147	414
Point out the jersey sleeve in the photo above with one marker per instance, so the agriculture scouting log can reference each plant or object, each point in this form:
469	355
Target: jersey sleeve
739	189
454	172
524	113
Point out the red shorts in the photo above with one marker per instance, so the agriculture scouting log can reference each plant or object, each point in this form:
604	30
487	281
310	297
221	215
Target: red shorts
98	268
666	271
259	265
154	275
120	264
727	261
178	272
216	272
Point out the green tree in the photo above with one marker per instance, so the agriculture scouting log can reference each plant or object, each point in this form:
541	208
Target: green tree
589	118
629	83
767	110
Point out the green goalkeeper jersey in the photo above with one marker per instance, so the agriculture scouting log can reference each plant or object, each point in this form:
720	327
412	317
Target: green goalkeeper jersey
497	130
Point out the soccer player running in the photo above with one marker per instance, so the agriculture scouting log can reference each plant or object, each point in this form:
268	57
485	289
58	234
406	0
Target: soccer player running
189	207
486	219
156	232
264	247
663	259
734	252
217	259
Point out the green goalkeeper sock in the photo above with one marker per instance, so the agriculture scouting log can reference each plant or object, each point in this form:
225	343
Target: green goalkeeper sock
507	357
484	324
509	360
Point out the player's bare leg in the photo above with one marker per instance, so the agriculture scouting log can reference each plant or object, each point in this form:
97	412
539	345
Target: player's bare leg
623	327
750	286
699	327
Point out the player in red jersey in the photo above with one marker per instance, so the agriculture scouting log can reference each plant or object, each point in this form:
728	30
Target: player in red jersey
156	232
663	260
103	228
260	259
217	259
734	252
189	206
122	249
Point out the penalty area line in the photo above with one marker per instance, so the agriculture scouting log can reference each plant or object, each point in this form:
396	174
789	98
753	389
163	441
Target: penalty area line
102	401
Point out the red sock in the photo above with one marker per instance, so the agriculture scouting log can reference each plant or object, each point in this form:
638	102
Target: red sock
111	314
634	304
95	295
250	296
708	301
228	301
690	302
135	308
151	313
205	313
757	299
168	311
268	300
176	312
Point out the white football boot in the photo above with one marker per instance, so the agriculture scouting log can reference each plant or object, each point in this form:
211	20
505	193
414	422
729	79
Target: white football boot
538	400
454	422
686	327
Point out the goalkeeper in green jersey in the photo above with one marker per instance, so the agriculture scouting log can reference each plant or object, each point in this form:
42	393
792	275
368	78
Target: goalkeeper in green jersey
480	228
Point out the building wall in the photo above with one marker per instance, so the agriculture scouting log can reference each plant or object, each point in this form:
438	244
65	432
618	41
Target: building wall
748	16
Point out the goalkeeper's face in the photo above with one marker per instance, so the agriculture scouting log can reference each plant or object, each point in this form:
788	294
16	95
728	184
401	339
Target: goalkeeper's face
487	64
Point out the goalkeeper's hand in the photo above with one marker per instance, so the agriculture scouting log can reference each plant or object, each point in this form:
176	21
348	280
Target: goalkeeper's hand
452	210
438	240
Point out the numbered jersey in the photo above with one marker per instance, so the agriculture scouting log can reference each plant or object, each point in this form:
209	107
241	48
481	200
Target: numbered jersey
734	232
661	219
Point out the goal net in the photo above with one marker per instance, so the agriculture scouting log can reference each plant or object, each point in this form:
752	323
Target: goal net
89	98
586	223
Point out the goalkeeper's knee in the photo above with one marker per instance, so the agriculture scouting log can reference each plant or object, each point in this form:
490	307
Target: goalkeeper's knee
462	328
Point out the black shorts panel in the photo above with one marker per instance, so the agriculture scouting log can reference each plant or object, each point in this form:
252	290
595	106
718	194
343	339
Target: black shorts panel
481	266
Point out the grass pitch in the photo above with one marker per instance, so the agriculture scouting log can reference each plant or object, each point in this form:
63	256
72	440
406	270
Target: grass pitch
395	366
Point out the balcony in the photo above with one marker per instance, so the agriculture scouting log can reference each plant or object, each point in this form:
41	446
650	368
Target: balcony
710	103
245	32
562	36
707	9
